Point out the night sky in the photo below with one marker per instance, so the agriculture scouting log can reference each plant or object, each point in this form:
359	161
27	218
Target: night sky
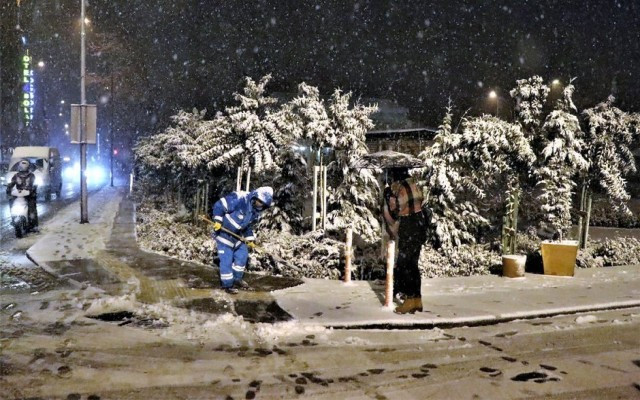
171	54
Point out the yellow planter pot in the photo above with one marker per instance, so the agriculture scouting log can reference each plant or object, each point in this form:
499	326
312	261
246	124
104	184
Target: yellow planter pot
559	258
513	266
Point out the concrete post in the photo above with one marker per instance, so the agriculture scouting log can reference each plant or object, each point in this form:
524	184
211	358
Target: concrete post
348	254
391	257
315	198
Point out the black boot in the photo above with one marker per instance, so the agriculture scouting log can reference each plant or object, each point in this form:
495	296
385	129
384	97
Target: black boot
243	285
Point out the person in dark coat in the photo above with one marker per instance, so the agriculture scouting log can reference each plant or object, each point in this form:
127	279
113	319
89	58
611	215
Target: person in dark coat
406	224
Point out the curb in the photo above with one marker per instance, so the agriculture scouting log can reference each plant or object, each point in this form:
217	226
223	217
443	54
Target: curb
446	323
53	273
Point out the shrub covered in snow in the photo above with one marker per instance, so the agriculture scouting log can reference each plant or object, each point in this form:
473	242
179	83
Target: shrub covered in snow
619	251
311	255
463	260
588	259
161	230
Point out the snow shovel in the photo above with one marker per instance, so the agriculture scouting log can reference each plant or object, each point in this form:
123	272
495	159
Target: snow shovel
260	249
240	238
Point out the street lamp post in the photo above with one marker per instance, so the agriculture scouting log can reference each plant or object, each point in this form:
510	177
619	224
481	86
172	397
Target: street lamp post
112	105
84	215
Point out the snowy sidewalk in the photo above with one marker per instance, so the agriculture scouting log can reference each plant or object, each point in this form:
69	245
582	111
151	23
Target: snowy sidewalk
104	253
464	301
64	239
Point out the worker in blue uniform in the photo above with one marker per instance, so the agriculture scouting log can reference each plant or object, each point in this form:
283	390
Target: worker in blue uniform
237	213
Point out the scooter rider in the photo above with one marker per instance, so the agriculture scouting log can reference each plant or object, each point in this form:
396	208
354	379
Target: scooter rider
26	180
236	213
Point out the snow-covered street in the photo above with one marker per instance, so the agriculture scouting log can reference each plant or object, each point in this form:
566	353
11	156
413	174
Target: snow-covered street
326	200
128	324
51	350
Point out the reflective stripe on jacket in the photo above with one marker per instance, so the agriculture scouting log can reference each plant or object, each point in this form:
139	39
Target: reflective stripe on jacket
236	214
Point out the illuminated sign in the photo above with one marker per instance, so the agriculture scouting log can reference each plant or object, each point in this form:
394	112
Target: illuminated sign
27	102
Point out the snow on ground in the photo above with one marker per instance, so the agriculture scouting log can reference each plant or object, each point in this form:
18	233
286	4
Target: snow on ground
179	323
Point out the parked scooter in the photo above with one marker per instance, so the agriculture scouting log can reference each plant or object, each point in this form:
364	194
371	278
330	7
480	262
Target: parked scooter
19	211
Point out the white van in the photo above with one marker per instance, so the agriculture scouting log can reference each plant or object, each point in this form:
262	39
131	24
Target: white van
46	166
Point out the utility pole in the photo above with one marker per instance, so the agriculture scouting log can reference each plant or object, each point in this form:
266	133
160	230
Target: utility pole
84	215
111	123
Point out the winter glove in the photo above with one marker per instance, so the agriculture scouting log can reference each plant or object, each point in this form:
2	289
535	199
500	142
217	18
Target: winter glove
217	226
251	245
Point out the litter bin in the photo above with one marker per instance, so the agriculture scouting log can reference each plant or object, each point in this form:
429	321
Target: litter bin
513	265
559	258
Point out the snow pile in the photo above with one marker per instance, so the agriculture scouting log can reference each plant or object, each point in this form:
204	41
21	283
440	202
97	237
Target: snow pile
111	304
586	319
283	332
179	323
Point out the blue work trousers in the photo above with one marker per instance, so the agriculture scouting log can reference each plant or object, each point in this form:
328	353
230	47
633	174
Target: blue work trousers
233	255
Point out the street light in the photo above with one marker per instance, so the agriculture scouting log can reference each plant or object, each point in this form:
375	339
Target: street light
555	82
41	64
493	95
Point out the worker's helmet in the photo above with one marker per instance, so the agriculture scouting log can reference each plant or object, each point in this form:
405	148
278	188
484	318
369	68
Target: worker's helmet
261	198
23	165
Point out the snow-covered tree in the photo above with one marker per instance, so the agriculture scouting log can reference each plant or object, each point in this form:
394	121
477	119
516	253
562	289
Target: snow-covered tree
247	135
355	201
310	119
530	96
557	142
156	156
291	184
500	157
609	135
559	162
446	189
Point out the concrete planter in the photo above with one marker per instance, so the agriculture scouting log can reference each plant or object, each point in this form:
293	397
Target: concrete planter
513	265
559	258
